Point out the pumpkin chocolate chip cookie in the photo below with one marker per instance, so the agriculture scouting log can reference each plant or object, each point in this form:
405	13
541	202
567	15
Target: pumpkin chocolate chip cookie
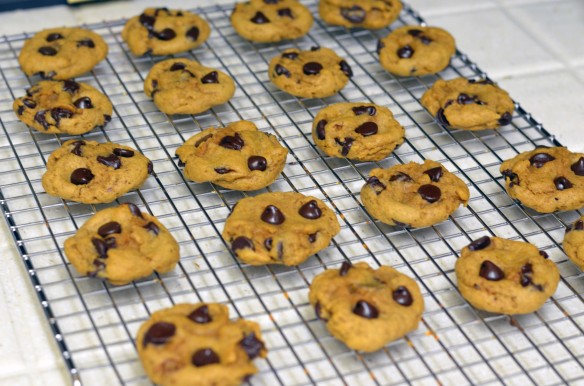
371	14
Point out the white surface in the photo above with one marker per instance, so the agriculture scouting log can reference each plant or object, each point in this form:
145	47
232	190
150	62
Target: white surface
532	48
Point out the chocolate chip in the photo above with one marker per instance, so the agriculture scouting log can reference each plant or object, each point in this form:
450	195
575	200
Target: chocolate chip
201	315
540	159
135	210
150	168
159	333
212	77
193	33
525	276
54	36
376	185
20	110
259	18
241	242
562	183
290	55
425	40
181	164
465	99
77	147
222	170
405	52
380	46
346	69
365	310
99	266
401	177
415	32
204	139
367	129
312	237
441	117
83	103
435	173
177	66
147	21
281	70
320	132
107	118
111	243
257	162
81	176
285	12
232	142
513	177
579	225
268	243
273	215
111	160
345	267
152	227
252	345
544	254
505	119
100	247
578	167
318	311
166	34
29	103
430	193
59	113
86	43
70	86
346	145
402	296
310	210
360	110
48	51
480	243
126	153
109	228
312	68
490	271
355	14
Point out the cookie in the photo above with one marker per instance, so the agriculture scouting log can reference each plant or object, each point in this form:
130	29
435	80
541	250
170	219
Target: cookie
268	21
279	228
416	50
574	243
94	173
58	107
504	276
370	14
317	73
121	244
413	195
62	53
197	344
359	131
468	104
238	157
366	308
182	86
546	179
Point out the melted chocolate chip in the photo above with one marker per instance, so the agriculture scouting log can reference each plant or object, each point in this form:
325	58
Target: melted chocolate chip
415	32
505	119
285	12
109	228
376	185
345	267
360	110
178	66
365	310
540	159
166	34
252	345
425	40
273	215
402	296
212	77
111	160
525	276
355	14
562	183
107	118
99	266
232	142
268	243
367	129
81	176
111	243
147	21
20	110
152	228
126	153
578	167
310	210
259	18
241	242
320	132
579	225
380	46
70	86
77	147
346	69
441	117
465	99
405	52
100	247
83	103
281	70
314	48
48	51
401	177
257	162
430	193
480	243
86	43
159	333
513	177
201	315
193	33
59	113
54	36
490	271
435	173
134	210
544	254
290	55
346	145
222	170
312	237
312	68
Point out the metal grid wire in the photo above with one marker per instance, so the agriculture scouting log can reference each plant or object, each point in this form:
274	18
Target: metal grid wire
94	323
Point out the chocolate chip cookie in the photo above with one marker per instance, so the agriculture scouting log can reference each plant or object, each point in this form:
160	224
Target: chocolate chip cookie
279	228
366	308
121	244
316	73
413	194
546	179
238	156
504	276
574	242
57	107
161	31
197	344
360	131
62	53
271	20
416	50
469	104
182	86
94	173
371	14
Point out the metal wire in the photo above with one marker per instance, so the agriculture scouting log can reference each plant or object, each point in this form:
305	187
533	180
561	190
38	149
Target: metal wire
95	323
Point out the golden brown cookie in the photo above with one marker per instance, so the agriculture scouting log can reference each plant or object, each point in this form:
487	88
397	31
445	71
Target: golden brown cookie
57	107
366	308
413	194
238	156
197	344
504	276
121	244
279	228
371	14
271	20
62	53
574	242
161	31
360	131
182	86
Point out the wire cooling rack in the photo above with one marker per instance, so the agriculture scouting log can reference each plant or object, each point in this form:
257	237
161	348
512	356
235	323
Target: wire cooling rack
94	323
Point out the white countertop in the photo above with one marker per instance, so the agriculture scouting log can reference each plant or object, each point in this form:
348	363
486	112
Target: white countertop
532	48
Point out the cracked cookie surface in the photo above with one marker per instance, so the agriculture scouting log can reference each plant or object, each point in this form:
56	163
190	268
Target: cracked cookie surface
370	14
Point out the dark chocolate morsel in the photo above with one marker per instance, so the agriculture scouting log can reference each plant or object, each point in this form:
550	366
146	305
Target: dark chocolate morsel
281	70
525	276
111	243
376	185
345	145
513	177
435	173
83	103
540	159
150	168
29	103
578	167
402	296
86	43
312	68
544	254
42	119
193	33
81	176
48	51
181	164
312	237
241	242
100	247
233	142
107	118
405	52
401	177
252	345
147	21
415	32
367	129
285	12
490	271
365	310
480	243
59	113
70	86
257	162
111	160
134	210
222	170
425	40
579	225
166	34
159	333
177	66
259	18
465	99
20	110
290	55
346	69
360	110
310	210
152	227
441	117
54	36
126	153
320	132
562	183
212	77
201	315
355	14
109	228
273	215
430	193
505	119
345	267
268	243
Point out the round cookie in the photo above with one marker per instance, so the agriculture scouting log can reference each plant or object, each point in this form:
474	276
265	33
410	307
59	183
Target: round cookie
121	244
279	228
182	86
57	107
197	344
160	31
468	104
370	14
317	73
504	276
268	21
413	194
366	308
416	50
238	157
62	53
546	179
574	242
359	131
94	173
